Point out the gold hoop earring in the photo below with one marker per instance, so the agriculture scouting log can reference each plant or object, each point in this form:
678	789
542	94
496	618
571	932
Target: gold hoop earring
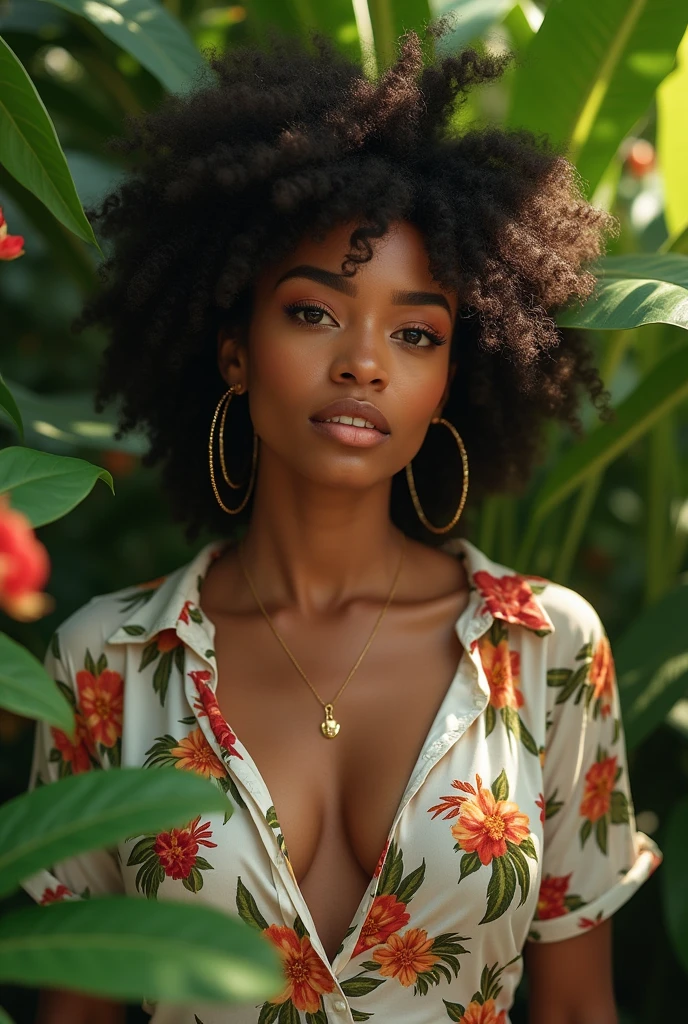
234	389
464	488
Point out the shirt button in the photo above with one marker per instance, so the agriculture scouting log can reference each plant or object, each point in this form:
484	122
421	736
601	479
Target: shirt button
339	1004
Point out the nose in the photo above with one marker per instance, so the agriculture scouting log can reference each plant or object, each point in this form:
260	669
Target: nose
361	358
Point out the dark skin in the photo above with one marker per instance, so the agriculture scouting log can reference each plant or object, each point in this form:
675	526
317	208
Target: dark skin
322	552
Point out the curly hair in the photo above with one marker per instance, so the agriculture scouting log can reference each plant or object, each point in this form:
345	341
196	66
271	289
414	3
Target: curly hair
292	137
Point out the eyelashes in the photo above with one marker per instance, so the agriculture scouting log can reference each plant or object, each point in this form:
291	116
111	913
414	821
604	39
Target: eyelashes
298	307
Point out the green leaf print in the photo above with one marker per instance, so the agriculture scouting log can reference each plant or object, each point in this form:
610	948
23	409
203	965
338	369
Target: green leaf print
392	871
619	808
358	1015
558	676
586	829
522	870
409	886
299	927
500	890
500	787
527	846
455	1011
470	862
269	1012
601	833
361	985
288	1014
55	646
89	663
248	908
490	722
319	1017
133	630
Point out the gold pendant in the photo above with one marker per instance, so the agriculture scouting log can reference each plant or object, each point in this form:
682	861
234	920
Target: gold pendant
329	727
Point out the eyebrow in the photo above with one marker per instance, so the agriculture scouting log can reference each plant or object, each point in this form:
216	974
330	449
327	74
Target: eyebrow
342	284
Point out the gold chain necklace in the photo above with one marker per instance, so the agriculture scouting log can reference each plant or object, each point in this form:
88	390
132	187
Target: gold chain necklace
329	727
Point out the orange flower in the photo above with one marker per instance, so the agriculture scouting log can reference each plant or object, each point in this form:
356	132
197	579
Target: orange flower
24	566
553	890
101	701
167	640
485	825
209	706
483	1013
306	974
406	956
55	895
11	246
195	754
510	598
78	753
541	803
151	584
386	915
177	849
184	613
599	783
602	675
381	860
502	668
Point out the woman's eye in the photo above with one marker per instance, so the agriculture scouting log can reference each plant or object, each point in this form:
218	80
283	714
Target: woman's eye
421	337
311	314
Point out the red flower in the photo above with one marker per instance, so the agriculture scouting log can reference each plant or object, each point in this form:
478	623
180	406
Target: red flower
502	669
55	895
591	922
177	849
540	802
209	706
381	860
306	974
78	753
387	915
599	783
602	675
483	1013
510	598
24	567
184	613
485	825
553	891
167	640
101	701
11	246
406	956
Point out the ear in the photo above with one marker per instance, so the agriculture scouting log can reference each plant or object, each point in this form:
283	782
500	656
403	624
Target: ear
445	394
232	356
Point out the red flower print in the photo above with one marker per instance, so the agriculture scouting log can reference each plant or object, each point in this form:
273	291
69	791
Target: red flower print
599	783
381	860
483	1013
177	849
541	803
450	805
11	246
77	754
591	922
387	915
502	668
24	564
553	892
406	956
602	675
55	895
306	975
510	598
167	640
184	613
485	825
100	697
209	706
195	754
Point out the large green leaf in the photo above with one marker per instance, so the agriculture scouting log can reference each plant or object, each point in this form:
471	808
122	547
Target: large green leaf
70	418
147	31
45	487
591	72
391	18
652	664
93	810
30	149
640	288
672	141
336	19
472	19
8	405
132	949
661	390
674	880
27	689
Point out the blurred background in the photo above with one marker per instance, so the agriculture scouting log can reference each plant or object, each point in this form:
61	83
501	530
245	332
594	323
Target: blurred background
610	519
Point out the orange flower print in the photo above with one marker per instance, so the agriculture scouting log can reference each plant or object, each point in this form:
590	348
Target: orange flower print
76	757
602	675
55	895
195	754
502	668
406	956
307	977
599	783
591	922
381	860
553	890
540	802
167	640
177	849
100	697
387	915
486	824
483	1013
209	706
510	598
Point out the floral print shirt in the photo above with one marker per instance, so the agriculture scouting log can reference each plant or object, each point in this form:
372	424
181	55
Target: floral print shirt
516	823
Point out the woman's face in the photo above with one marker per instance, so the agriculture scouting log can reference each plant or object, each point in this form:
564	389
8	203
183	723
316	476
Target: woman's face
372	348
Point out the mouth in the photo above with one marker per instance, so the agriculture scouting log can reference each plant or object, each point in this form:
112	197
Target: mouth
354	423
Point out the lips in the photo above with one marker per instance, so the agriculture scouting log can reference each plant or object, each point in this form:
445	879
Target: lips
355	410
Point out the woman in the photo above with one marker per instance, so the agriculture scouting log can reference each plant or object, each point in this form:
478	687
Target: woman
346	306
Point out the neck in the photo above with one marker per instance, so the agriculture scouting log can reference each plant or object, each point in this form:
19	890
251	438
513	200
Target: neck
319	547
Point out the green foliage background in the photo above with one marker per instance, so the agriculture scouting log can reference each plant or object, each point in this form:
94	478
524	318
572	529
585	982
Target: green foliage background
607	516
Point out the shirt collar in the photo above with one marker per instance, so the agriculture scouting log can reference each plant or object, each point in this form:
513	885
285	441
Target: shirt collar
170	602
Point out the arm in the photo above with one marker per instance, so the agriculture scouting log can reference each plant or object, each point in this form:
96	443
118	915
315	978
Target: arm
55	1006
570	982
